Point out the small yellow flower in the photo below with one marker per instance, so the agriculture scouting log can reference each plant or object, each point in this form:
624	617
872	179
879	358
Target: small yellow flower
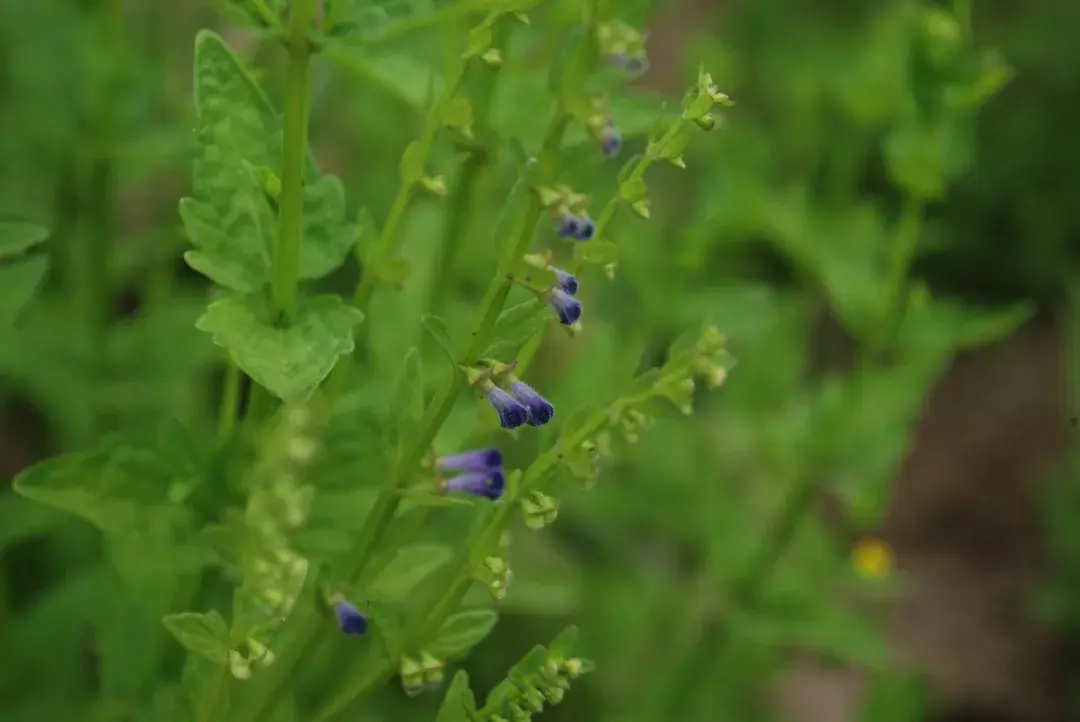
872	558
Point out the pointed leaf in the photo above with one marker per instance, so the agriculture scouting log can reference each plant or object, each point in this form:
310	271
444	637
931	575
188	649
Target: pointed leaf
459	704
327	236
204	634
462	632
437	328
290	362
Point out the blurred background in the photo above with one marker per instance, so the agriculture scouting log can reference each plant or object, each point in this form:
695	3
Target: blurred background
958	451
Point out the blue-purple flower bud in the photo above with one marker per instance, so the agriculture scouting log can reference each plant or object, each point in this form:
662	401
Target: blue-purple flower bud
579	228
511	413
566	307
567	281
478	460
610	140
349	618
540	409
489	484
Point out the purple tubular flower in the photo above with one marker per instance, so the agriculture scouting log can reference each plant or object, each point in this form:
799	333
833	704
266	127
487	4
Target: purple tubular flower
569	226
488	484
566	306
567	281
588	228
511	413
349	618
610	141
479	460
540	409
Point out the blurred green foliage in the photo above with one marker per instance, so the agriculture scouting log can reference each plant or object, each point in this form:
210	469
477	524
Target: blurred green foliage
882	167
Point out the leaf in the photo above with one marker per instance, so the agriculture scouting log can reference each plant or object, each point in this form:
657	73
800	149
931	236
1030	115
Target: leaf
598	252
18	282
515	326
413	160
120	486
16	237
407	404
459	704
462	632
409	566
204	634
438	330
290	362
232	247
429	499
327	236
563	644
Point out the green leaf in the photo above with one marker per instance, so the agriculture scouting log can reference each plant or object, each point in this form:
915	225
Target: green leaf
462	632
409	566
599	252
459	704
895	697
515	326
563	644
16	237
433	500
232	247
412	162
289	362
438	330
407	404
327	237
120	486
18	282
204	634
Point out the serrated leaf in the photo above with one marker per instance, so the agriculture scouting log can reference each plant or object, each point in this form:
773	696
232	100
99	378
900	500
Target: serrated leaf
459	704
327	237
204	634
409	566
290	362
515	326
18	283
461	632
16	237
232	248
120	486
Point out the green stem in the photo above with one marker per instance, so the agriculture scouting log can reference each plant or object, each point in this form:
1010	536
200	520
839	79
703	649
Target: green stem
651	155
387	504
230	402
210	700
388	240
293	159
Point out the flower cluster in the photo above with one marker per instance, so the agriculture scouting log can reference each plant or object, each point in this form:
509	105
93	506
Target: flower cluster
623	46
569	212
480	473
700	101
516	404
601	126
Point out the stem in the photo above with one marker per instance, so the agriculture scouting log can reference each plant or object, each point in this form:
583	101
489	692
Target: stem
230	402
651	155
293	158
388	240
387	504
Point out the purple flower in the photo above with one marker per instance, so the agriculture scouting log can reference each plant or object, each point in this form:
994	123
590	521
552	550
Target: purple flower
577	227
489	484
610	140
540	409
566	306
349	618
511	413
635	65
478	460
567	281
